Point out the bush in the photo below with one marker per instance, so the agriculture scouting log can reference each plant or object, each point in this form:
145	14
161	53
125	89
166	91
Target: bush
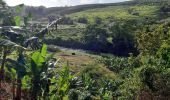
8	21
67	21
164	53
98	20
83	20
133	12
165	8
157	81
131	86
151	38
155	74
148	76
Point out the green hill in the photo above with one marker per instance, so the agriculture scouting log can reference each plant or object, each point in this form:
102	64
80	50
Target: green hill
125	10
119	12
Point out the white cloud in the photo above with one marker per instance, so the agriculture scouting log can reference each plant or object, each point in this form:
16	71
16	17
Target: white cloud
89	1
52	3
100	1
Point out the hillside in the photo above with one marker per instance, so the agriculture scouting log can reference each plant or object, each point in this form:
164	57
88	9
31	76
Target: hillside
121	12
116	10
71	35
39	11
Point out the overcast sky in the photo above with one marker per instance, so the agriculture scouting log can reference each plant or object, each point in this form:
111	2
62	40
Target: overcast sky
54	3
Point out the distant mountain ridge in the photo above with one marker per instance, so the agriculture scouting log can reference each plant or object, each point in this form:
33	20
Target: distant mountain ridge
41	11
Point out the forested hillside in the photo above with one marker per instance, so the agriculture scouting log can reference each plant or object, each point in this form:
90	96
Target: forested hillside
114	51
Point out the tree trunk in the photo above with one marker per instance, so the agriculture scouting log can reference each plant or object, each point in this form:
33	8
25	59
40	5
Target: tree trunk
2	71
35	89
47	89
18	97
13	89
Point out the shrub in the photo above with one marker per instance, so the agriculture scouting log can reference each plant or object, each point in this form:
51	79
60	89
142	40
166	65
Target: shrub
131	86
83	20
157	81
133	12
165	8
67	21
8	21
98	20
164	53
151	38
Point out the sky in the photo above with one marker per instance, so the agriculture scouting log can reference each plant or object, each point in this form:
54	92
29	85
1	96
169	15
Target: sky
54	3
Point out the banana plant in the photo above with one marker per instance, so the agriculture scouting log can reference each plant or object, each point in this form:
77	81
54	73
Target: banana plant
6	48
21	70
39	66
61	84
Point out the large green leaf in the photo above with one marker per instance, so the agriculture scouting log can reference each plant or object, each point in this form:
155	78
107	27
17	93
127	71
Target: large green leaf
19	8
38	60
37	63
26	82
18	20
29	15
10	44
17	66
27	18
44	50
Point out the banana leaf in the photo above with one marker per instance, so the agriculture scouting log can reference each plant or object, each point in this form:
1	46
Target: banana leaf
10	44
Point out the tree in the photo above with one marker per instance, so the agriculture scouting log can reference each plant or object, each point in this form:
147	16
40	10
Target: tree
67	21
8	21
123	39
151	38
95	37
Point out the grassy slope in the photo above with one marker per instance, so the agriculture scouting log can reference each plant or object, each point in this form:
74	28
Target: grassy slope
118	12
83	61
65	34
